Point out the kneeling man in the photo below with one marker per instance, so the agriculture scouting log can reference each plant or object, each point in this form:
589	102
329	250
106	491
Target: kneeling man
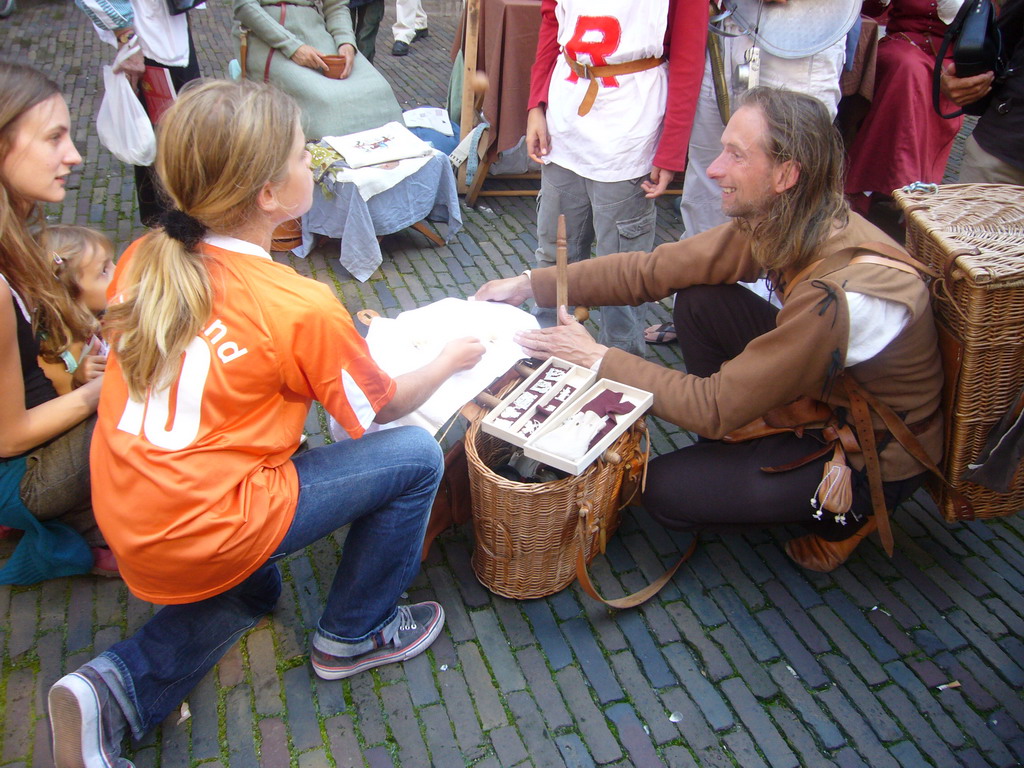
855	334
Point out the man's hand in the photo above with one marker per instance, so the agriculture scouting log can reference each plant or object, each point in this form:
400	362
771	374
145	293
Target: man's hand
134	66
308	56
964	90
538	142
658	182
568	340
511	290
349	52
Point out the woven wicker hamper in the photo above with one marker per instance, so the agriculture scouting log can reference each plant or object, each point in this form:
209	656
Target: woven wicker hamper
526	533
973	235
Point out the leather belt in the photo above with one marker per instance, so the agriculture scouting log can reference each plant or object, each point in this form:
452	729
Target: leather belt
592	73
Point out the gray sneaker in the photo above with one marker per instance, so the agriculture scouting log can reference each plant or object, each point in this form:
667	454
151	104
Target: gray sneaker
418	626
87	723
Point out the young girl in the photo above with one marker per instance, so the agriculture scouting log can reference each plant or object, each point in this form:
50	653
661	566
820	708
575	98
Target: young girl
83	262
241	345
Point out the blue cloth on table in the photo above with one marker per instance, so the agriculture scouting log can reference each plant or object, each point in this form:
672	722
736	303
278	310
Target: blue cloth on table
429	193
47	550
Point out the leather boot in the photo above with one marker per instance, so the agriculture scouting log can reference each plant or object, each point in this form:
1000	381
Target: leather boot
817	554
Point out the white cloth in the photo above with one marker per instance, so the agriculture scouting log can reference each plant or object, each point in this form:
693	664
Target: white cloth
374	179
571	439
391	142
163	37
874	323
631	109
416	337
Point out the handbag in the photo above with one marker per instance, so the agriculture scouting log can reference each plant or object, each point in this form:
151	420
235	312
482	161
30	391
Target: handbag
977	48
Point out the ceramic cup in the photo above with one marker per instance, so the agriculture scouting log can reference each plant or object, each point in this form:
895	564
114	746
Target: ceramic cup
335	66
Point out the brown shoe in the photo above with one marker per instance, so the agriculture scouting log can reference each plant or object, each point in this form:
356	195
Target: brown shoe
817	554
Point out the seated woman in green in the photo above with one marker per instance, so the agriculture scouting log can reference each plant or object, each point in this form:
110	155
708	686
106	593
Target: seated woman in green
286	45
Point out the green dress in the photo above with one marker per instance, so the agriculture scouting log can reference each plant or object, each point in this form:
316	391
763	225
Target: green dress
362	101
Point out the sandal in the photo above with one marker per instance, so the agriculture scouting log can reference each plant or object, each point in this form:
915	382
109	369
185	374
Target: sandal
660	334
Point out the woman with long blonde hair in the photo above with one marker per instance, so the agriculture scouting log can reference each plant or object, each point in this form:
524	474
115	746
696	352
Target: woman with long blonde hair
44	438
216	353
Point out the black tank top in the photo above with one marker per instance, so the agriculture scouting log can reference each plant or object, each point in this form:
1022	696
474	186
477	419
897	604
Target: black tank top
38	388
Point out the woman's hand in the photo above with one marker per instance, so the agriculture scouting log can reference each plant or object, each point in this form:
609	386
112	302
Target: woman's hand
462	354
308	56
657	183
349	52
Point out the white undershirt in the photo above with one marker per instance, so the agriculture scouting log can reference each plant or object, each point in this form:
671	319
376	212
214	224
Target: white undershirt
874	323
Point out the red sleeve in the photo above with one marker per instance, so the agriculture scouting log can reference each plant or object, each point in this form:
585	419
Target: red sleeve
547	55
686	38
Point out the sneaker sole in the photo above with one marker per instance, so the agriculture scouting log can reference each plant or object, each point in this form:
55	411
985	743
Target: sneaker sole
70	728
339	673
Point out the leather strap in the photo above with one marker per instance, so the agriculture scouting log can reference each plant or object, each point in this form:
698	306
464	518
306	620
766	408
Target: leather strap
629	601
866	437
270	54
592	74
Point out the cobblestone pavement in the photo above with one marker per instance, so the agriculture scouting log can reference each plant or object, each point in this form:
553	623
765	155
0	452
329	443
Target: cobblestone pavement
742	660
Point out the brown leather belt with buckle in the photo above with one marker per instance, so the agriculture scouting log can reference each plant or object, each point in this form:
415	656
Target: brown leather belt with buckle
592	74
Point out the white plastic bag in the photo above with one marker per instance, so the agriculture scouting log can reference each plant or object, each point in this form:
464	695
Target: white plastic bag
122	124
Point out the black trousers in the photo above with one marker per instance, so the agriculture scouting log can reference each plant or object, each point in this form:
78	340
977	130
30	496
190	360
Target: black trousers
152	201
712	485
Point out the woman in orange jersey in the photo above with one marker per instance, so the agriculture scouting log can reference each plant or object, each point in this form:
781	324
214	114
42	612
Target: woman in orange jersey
216	353
44	437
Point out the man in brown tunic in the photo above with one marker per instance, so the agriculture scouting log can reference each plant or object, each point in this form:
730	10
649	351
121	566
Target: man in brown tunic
849	311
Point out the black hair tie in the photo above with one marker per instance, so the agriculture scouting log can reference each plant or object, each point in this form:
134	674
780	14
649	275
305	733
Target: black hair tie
186	229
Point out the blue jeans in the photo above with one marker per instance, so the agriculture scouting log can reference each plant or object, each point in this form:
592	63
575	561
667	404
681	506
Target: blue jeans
383	485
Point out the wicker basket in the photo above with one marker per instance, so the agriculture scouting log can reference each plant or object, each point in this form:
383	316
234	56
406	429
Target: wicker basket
526	533
973	235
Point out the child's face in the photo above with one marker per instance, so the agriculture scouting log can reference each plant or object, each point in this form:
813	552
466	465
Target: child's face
97	268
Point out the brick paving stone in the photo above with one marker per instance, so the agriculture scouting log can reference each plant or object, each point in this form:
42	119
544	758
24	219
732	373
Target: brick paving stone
847	758
512	622
706	695
174	742
473	593
420	677
761	728
266	686
744	750
800	738
508	746
592	660
803	625
796	654
379	757
230	669
649	709
288	628
531	729
457	619
440	740
49	652
315	759
975	727
647	652
542	686
885	599
849	645
861	734
806	707
894	635
843	676
302	719
17	735
745	589
496	651
488	704
659	622
459	704
985	678
239	729
988	649
204	723
786	574
631	733
574	751
741	549
752	672
344	745
678	757
925	703
370	717
22	633
907	755
715	665
590	720
854	619
696	598
403	726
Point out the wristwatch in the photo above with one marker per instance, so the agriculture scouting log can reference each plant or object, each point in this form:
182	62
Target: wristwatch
124	36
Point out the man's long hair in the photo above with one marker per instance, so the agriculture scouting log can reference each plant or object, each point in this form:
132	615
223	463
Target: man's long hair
799	221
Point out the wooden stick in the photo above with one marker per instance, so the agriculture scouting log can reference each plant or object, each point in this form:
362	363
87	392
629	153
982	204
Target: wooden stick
561	266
